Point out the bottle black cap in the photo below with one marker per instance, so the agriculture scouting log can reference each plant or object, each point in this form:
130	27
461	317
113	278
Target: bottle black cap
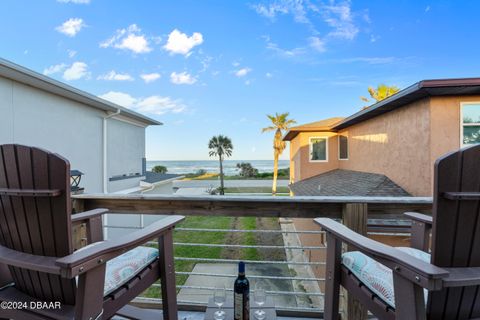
241	267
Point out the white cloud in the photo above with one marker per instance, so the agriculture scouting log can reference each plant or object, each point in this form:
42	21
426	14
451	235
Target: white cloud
114	76
182	78
120	98
76	71
150	77
336	14
287	53
160	105
54	69
242	72
71	27
427	8
268	75
153	104
295	7
71	53
340	18
317	44
180	43
130	38
75	1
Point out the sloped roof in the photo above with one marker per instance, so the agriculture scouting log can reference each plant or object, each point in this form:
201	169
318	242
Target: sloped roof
415	92
322	125
348	183
34	79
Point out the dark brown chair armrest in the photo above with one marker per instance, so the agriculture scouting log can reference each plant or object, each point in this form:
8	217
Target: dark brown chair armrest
421	227
87	215
420	217
28	261
422	273
462	277
88	258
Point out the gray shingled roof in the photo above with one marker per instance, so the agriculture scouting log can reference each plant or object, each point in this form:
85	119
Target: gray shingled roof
348	183
153	177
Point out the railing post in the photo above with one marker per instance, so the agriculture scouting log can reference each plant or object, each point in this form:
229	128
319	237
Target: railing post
354	216
79	231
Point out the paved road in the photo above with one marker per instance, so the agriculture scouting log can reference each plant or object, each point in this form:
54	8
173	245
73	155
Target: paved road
228	183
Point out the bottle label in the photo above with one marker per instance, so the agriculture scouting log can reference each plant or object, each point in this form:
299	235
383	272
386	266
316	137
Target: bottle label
238	306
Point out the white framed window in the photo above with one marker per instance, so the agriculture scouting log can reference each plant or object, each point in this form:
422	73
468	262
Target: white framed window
342	147
470	123
318	149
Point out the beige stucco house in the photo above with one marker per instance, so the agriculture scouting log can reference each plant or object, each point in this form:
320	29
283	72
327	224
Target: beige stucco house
398	138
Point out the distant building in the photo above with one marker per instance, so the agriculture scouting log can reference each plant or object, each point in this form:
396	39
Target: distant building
101	139
397	140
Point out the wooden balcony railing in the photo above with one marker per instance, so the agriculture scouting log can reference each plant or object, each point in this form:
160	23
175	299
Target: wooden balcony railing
353	211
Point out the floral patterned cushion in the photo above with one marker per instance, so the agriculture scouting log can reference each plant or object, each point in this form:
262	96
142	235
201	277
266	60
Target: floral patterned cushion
124	267
375	275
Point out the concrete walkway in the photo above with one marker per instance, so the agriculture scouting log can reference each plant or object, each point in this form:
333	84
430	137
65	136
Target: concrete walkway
301	271
202	295
192	191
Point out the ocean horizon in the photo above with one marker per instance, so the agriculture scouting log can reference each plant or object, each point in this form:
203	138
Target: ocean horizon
211	166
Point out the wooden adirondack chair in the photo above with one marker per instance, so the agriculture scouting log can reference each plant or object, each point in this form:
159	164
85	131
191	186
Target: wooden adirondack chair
37	261
394	289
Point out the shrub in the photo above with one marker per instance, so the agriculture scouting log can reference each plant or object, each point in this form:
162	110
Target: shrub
247	170
201	172
284	172
160	169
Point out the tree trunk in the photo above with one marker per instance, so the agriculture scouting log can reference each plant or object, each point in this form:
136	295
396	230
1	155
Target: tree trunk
222	189
275	173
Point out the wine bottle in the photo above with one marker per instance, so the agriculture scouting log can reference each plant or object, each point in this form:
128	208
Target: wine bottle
241	292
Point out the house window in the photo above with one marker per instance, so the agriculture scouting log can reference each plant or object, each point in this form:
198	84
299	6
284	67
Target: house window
342	148
470	123
318	149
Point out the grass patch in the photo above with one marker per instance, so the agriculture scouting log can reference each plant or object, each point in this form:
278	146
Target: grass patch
208	222
195	252
237	177
205	176
249	223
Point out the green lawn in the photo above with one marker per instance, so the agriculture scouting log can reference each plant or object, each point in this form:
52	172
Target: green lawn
236	177
256	190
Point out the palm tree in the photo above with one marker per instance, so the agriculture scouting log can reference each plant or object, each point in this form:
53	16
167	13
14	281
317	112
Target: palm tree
280	123
382	91
221	147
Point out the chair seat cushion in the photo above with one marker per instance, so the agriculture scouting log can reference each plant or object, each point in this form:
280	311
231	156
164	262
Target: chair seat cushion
374	275
124	267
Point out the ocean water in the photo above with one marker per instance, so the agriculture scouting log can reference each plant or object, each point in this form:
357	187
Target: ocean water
229	166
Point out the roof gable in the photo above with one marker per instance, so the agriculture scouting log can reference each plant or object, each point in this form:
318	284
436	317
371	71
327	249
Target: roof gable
34	79
322	125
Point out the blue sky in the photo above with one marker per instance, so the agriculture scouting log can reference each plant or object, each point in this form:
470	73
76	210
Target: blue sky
218	67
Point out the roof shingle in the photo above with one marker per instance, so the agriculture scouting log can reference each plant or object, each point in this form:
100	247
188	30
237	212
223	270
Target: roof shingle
348	183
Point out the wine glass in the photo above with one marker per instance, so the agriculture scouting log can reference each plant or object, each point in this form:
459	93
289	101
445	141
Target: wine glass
219	298
260	297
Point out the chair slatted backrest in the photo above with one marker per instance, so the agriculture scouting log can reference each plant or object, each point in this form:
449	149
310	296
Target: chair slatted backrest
36	223
456	230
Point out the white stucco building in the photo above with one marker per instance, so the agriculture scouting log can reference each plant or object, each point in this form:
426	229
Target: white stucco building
101	139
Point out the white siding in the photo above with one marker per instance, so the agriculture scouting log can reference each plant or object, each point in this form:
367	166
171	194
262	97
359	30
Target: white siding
38	118
125	149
